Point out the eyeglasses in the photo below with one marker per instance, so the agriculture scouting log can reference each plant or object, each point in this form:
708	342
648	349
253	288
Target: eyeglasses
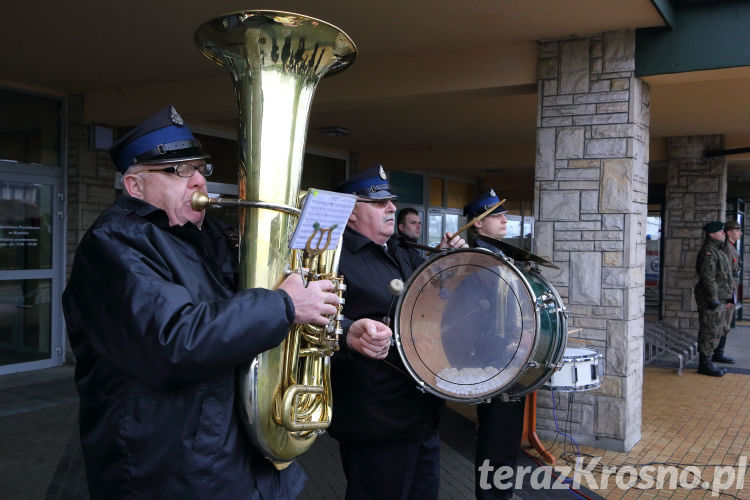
186	169
377	203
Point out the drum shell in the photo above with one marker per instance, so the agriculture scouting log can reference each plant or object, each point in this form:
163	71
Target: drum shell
551	338
541	340
581	370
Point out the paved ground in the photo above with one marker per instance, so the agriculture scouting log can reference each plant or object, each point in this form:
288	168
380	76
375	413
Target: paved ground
40	456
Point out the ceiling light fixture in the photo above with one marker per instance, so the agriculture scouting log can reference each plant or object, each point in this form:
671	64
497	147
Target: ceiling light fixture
334	131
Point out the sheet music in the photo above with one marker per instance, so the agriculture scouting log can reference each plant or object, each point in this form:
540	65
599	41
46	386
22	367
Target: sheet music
326	209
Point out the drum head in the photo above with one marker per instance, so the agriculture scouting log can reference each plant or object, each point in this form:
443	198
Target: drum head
466	324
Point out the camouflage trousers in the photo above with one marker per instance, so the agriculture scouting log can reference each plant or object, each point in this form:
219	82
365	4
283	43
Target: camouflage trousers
728	316
711	329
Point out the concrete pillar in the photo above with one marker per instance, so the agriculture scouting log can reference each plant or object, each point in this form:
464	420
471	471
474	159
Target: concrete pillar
590	205
696	193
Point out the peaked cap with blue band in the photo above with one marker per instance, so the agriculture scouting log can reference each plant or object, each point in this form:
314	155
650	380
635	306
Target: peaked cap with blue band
371	184
161	138
483	202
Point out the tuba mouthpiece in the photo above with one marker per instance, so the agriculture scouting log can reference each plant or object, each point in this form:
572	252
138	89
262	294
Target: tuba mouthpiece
199	201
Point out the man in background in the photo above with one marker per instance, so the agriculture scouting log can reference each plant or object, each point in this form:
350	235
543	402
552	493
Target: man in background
409	224
733	232
713	295
401	246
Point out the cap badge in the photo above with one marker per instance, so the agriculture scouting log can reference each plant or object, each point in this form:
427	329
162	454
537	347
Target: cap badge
492	193
381	173
175	117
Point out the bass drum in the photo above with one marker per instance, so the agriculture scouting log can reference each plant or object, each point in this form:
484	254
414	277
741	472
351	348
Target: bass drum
471	326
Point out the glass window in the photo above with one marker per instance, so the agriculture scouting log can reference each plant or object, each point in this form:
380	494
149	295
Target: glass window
653	237
451	223
29	128
653	227
25	308
513	228
435	229
25	226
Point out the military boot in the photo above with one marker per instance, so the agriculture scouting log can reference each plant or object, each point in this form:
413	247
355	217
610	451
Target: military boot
706	367
719	356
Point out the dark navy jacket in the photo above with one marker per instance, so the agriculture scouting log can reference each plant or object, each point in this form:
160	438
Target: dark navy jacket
373	400
407	257
158	332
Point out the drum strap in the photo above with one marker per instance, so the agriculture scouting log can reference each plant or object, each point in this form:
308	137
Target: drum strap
397	369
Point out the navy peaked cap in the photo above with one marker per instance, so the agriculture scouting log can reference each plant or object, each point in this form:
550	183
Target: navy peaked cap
482	203
161	138
371	184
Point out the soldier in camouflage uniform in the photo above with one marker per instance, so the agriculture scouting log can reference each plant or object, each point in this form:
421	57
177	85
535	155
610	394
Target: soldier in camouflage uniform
733	232
713	295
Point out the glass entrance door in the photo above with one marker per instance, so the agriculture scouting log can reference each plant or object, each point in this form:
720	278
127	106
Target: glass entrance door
31	222
440	221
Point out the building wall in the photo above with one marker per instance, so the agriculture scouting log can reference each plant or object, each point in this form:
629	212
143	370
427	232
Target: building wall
91	174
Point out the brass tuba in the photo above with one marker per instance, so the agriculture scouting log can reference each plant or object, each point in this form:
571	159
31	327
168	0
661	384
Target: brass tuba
276	60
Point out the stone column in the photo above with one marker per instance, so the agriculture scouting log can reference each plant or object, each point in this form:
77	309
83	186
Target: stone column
696	193
590	205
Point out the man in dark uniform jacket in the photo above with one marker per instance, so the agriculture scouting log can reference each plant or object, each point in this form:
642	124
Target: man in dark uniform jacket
713	295
500	424
386	427
733	232
401	244
158	331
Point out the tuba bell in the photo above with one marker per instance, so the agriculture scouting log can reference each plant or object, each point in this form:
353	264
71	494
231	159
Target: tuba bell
276	60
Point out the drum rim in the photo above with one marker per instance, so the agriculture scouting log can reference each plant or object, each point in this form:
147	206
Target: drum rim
583	358
569	388
399	342
589	355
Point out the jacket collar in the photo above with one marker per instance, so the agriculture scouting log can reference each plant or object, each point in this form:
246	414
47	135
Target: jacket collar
402	237
714	242
356	241
488	246
149	212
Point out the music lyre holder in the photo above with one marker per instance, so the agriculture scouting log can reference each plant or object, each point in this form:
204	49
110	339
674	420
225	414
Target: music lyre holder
310	251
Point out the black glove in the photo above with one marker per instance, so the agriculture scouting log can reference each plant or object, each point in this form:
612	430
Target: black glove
714	305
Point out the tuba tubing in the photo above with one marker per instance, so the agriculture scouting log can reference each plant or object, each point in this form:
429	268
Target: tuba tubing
276	60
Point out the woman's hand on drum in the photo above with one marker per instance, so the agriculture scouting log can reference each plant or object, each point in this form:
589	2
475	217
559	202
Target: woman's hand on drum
450	241
370	338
